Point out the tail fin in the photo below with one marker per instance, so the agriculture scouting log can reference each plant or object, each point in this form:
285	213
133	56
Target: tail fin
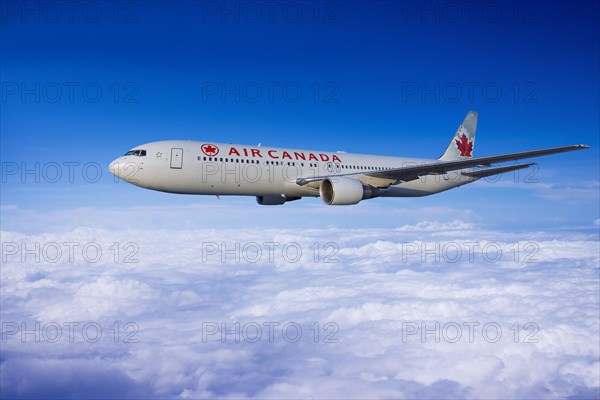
463	143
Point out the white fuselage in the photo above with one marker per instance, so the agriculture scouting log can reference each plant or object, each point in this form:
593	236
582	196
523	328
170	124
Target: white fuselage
207	168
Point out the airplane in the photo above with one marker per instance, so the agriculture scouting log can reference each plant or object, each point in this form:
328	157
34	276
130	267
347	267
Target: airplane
278	175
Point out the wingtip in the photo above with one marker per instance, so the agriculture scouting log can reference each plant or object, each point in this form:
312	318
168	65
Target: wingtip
582	146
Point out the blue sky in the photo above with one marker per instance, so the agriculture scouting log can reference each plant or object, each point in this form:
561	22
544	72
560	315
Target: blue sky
385	78
82	83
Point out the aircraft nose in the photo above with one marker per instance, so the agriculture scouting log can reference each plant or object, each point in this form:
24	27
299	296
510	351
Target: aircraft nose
124	169
113	167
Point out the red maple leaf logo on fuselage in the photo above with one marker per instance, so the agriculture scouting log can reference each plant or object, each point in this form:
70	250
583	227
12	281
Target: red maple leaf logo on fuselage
210	150
464	146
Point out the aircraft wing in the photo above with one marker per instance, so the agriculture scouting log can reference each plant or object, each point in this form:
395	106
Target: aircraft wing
385	178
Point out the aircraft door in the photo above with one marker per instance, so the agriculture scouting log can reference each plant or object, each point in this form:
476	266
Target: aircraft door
176	158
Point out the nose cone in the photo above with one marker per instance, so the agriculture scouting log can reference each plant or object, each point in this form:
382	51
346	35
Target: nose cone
113	167
124	169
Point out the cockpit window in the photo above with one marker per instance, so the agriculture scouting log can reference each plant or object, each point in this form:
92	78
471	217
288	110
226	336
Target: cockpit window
137	153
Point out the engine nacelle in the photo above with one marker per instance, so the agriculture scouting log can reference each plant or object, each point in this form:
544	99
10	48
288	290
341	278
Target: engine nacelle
274	200
341	191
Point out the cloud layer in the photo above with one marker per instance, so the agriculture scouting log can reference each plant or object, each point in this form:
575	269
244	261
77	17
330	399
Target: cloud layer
429	310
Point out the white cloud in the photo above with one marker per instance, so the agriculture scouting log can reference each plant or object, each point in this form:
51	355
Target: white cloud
378	321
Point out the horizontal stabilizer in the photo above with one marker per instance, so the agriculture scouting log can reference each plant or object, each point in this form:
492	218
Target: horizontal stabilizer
495	171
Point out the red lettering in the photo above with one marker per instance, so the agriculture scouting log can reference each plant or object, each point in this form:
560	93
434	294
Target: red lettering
299	156
286	155
336	158
324	157
255	153
233	150
270	153
245	152
312	157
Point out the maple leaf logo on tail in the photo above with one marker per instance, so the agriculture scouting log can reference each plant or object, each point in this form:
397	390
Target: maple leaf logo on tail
464	146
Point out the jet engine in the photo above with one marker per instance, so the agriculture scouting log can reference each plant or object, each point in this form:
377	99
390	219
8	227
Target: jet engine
345	191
